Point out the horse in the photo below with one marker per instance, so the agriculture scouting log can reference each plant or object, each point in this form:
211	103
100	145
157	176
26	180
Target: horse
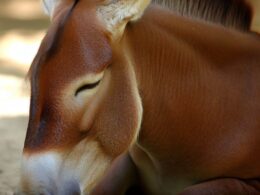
134	96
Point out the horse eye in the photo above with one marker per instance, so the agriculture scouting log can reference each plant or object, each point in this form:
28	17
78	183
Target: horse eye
87	87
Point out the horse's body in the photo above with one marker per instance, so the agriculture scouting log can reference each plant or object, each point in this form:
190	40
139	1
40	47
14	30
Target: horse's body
200	99
178	108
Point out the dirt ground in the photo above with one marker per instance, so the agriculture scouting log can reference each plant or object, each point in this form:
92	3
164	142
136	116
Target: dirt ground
22	26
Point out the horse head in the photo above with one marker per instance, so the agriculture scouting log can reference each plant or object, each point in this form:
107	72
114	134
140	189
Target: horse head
85	109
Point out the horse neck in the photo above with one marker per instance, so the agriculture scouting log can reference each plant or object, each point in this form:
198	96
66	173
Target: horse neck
172	56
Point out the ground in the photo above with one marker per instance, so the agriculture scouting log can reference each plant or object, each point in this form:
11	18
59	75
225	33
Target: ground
22	26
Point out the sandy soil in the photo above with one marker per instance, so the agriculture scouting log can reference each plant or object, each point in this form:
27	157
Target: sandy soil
22	25
12	131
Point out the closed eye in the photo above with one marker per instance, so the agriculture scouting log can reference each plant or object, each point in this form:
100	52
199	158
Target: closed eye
87	87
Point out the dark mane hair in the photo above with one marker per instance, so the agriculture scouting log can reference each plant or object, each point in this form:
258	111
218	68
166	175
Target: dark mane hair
235	14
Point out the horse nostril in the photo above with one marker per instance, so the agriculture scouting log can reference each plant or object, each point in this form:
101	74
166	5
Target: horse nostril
43	192
70	188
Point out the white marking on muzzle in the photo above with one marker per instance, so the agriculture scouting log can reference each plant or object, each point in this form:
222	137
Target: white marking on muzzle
40	172
78	170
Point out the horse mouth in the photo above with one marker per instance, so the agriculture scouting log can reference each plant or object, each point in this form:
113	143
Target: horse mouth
68	188
57	173
41	174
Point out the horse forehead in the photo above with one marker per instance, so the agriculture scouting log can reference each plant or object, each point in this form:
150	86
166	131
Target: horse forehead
86	49
79	49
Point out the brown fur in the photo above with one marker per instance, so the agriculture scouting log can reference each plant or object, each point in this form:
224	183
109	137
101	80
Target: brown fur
200	88
201	95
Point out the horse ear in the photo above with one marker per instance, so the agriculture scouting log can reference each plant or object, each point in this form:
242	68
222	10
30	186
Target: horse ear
117	13
49	6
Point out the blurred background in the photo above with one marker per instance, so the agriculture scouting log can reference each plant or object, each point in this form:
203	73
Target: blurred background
22	26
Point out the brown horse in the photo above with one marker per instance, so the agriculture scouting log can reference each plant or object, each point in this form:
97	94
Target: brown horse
128	95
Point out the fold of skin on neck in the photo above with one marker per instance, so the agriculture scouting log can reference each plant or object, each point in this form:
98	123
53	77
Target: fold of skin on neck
200	100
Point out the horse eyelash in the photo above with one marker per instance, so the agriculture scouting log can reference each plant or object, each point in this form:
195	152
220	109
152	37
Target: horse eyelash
87	87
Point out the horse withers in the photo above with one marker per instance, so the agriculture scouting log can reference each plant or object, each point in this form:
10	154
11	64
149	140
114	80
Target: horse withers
160	96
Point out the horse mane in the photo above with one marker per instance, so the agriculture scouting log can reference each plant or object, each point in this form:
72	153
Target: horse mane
235	14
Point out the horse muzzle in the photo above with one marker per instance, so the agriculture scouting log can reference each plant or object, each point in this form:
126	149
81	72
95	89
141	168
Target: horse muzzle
42	174
75	171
